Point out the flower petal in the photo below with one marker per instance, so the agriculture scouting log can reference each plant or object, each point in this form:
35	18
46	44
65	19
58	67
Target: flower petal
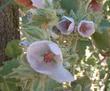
68	18
60	74
41	3
55	49
38	3
71	27
24	43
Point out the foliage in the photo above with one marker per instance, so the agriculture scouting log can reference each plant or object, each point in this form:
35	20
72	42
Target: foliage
13	49
87	58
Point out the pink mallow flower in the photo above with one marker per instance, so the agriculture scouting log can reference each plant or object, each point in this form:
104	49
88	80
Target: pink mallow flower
95	6
66	25
40	3
86	28
46	58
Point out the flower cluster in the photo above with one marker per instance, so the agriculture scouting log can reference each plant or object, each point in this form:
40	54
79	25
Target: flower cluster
45	57
67	25
85	28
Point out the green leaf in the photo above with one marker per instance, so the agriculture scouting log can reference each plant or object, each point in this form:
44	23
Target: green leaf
59	89
104	25
72	59
52	86
87	88
102	73
91	61
108	63
101	40
78	88
106	7
81	47
24	72
108	86
44	83
9	84
8	67
45	16
35	85
83	81
36	32
13	49
69	5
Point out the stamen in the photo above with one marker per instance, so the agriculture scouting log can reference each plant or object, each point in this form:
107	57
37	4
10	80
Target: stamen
48	57
67	24
83	28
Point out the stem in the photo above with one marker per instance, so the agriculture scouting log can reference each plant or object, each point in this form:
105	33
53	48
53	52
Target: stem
42	83
76	41
107	75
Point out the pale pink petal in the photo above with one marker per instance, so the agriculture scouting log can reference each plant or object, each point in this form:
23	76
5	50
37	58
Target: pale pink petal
71	27
68	18
38	3
60	74
55	49
90	28
41	3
